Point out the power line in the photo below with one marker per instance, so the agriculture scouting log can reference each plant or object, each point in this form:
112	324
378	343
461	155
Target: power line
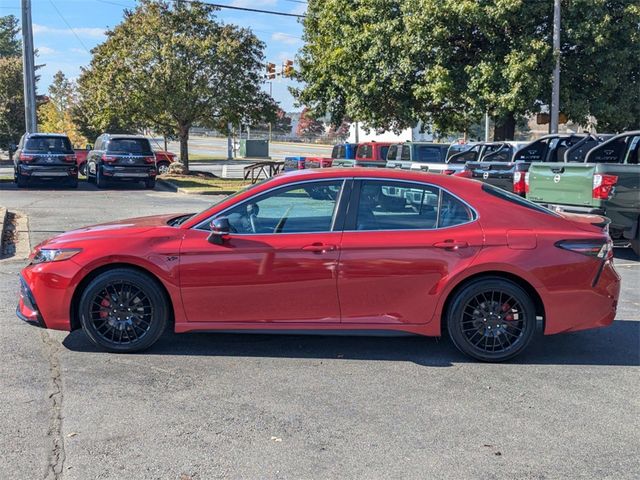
70	27
246	9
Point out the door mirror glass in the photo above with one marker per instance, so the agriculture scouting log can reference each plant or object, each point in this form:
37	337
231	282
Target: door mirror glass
220	229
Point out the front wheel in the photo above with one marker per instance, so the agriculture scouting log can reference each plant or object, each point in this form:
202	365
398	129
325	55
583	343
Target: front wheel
83	169
123	310
491	319
163	168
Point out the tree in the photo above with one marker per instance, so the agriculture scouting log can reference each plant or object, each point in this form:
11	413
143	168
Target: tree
169	65
10	45
308	126
341	132
392	63
281	123
11	89
56	115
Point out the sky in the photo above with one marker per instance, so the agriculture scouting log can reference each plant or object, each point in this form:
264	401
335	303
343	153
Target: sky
65	31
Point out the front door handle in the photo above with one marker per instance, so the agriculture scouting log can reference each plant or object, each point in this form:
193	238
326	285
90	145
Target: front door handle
319	248
451	245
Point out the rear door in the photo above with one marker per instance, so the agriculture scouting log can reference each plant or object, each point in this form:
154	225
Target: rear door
401	240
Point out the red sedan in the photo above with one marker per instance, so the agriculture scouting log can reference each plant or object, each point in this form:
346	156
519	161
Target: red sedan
322	250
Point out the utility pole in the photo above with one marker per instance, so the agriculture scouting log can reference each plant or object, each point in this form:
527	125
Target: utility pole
555	92
486	126
28	69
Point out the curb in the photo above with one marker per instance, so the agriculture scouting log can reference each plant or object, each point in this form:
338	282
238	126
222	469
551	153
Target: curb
3	221
172	188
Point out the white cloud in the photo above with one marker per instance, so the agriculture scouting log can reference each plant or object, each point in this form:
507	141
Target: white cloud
80	31
285	38
46	50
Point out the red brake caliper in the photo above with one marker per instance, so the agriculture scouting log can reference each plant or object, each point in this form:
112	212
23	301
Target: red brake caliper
505	308
105	303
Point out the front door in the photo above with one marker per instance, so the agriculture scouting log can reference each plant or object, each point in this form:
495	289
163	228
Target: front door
278	265
399	244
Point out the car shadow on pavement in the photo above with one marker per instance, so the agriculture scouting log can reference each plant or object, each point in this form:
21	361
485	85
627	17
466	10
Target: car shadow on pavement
614	345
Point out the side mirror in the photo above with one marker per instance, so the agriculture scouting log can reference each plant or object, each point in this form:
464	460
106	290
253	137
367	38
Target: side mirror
220	229
88	146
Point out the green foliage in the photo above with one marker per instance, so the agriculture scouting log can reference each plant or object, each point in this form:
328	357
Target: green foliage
170	65
11	88
392	63
10	45
55	116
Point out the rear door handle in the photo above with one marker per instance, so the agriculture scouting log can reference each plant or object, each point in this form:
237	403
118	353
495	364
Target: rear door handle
451	245
319	248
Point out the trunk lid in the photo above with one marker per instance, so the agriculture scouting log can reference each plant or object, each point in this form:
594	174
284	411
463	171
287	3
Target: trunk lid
562	183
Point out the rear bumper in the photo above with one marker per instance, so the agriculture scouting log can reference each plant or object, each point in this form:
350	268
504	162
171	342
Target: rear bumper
583	308
119	172
48	171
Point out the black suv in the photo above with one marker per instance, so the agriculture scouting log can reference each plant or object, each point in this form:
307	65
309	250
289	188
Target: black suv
121	157
45	156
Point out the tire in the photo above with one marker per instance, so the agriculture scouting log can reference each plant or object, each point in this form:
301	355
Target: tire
101	182
635	243
73	182
163	167
83	169
486	306
150	184
20	180
116	322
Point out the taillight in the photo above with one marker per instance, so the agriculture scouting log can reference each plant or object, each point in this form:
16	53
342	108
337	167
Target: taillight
464	174
592	248
526	182
603	186
25	158
150	159
108	158
519	184
70	158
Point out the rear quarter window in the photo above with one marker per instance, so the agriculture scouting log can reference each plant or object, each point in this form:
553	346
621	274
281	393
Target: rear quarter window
428	154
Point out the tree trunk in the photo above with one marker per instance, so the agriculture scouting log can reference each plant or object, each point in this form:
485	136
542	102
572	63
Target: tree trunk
505	128
184	147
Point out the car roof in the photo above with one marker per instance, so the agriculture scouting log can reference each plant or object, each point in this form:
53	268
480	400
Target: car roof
44	134
123	135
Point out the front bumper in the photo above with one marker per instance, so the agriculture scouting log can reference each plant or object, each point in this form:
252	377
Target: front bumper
124	173
48	171
27	309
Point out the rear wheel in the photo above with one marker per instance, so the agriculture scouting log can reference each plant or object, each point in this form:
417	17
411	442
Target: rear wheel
123	310
83	169
635	243
21	180
491	319
101	182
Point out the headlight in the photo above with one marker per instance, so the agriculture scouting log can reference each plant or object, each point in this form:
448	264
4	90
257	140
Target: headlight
54	254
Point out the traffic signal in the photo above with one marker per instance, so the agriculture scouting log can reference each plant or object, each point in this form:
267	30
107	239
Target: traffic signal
287	68
271	71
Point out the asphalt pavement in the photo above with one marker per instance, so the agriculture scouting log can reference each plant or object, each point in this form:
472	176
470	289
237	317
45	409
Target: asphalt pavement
205	406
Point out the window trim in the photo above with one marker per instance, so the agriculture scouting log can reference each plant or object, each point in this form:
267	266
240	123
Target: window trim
338	211
352	213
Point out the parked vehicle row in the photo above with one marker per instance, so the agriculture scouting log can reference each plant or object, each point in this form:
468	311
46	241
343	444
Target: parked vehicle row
50	156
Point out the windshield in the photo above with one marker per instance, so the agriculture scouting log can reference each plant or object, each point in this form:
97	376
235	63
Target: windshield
49	145
139	146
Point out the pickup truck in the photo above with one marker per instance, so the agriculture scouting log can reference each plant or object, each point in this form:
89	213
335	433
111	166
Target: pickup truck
368	154
345	151
431	157
506	171
606	183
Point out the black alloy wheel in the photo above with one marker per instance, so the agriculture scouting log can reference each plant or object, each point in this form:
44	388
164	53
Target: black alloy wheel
123	310
491	319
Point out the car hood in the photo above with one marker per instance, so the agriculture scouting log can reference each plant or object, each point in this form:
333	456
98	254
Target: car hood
118	228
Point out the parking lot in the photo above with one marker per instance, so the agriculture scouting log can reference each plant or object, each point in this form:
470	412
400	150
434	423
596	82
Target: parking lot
201	406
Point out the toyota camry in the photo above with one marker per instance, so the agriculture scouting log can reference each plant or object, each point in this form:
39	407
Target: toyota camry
333	250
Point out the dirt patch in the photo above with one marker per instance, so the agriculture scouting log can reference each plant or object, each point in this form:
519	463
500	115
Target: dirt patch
15	239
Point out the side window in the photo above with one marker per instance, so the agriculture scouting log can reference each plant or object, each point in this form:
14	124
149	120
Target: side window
428	154
334	151
364	151
406	153
383	152
300	208
385	205
392	153
453	211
